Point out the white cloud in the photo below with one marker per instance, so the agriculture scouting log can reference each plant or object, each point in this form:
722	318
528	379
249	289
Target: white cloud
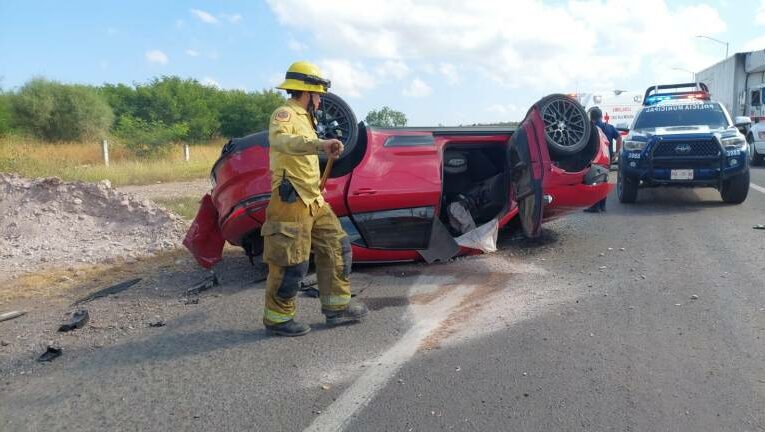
296	45
755	44
203	16
417	88
232	18
210	82
449	71
348	79
526	43
759	17
504	110
192	53
392	68
156	56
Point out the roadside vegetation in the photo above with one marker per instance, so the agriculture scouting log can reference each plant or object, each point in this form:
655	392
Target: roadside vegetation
49	128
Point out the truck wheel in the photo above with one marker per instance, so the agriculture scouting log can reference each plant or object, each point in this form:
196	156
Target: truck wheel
567	127
626	188
735	189
754	158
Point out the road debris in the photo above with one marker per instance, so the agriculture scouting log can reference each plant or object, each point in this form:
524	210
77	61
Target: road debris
50	353
11	315
206	284
77	320
191	301
326	386
759	227
114	289
158	323
694	297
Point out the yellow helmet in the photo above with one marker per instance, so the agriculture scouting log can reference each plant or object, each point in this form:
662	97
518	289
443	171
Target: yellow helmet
304	76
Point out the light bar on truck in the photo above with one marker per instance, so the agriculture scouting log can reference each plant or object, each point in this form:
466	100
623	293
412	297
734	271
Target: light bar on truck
654	95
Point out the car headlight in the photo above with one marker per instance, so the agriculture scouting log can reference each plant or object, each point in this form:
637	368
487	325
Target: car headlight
631	145
733	142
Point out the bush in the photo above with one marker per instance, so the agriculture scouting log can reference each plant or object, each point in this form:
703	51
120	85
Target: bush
244	113
148	139
55	111
5	113
172	100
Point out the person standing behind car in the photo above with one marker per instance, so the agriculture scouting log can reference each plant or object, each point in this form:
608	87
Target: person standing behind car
298	220
612	134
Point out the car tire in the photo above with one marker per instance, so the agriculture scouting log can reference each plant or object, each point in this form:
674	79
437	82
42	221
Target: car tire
735	189
626	188
335	119
567	126
754	158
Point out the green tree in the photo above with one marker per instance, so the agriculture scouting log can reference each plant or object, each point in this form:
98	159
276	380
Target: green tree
173	100
244	113
56	111
386	117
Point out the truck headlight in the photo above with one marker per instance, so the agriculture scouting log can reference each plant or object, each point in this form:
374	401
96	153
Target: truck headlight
733	142
631	145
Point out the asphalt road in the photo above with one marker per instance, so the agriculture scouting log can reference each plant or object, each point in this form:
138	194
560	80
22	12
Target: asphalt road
650	317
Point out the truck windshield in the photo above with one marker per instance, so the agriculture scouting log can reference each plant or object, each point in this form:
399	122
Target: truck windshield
699	114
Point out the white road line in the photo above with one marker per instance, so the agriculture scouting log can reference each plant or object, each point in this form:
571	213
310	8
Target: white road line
757	188
340	413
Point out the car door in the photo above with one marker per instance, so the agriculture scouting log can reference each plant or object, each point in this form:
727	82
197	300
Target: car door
395	191
529	161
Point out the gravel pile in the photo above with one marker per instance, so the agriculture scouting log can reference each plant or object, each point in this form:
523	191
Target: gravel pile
46	223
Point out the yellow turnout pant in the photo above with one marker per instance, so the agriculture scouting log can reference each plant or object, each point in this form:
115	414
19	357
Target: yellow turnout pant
290	233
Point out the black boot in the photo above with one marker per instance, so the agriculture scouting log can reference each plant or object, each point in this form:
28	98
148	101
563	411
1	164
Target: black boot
289	328
354	312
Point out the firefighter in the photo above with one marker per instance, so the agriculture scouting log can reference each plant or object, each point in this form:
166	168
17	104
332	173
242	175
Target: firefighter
298	220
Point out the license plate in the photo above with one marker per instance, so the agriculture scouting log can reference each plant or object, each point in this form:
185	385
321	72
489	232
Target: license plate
681	174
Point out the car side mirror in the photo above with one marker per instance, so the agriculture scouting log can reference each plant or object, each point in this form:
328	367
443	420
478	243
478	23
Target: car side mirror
622	127
743	123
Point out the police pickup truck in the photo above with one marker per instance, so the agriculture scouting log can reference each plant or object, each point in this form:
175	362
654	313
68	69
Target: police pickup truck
683	138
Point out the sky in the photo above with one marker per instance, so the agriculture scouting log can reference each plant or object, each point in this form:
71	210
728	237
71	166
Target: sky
444	62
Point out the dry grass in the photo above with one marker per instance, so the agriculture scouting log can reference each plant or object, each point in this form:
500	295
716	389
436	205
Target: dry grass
74	161
186	206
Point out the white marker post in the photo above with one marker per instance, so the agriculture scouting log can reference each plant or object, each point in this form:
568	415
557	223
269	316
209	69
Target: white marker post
105	151
186	152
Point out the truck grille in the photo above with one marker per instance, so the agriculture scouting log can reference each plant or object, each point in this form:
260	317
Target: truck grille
684	148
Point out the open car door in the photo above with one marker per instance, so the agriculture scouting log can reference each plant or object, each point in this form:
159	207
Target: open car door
395	192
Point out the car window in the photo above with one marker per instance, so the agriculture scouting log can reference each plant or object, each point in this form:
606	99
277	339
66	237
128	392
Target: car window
698	114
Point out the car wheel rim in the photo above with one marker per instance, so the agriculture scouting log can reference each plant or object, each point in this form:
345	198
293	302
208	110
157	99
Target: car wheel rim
332	119
564	123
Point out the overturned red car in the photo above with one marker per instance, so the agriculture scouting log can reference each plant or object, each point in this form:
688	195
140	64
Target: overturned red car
410	194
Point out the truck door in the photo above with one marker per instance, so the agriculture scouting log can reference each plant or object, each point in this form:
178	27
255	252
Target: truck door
395	191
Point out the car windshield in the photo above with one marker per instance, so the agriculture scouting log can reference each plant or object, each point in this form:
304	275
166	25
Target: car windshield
696	114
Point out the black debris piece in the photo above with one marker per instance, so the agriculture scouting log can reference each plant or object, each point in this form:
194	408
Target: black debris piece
50	354
759	227
208	282
159	323
78	320
191	301
114	289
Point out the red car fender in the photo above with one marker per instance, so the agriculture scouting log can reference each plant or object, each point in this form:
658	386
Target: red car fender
204	239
